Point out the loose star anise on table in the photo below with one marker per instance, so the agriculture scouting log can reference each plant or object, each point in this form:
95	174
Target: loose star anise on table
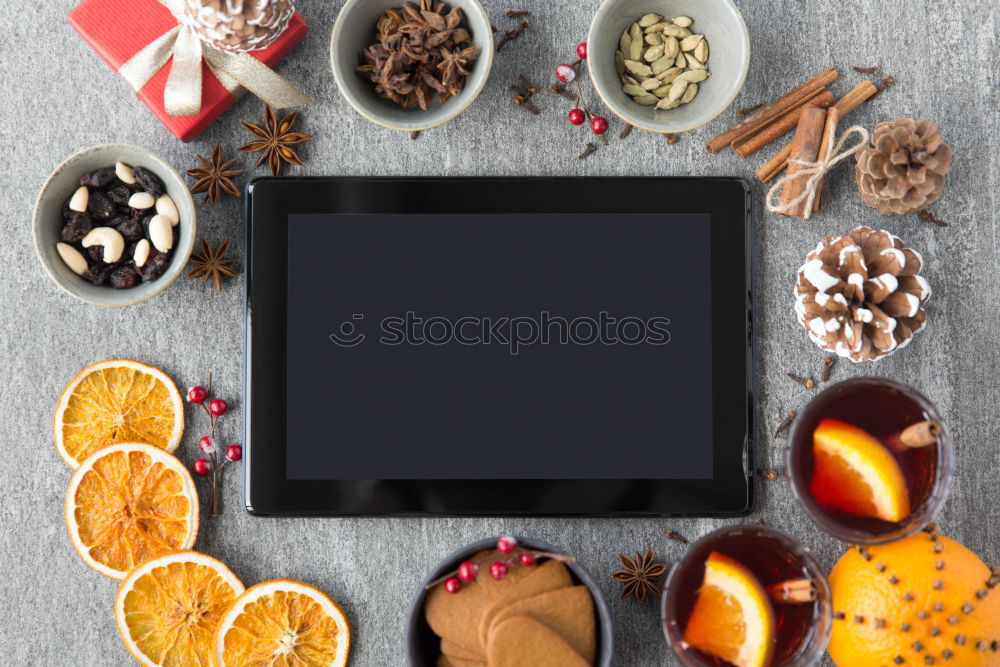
215	176
639	576
212	265
419	53
274	140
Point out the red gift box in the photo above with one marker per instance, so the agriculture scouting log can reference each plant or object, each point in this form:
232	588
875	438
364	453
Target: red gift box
119	29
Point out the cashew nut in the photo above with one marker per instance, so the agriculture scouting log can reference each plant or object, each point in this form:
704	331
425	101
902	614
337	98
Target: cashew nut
165	207
141	253
141	200
161	233
109	238
124	173
74	260
80	199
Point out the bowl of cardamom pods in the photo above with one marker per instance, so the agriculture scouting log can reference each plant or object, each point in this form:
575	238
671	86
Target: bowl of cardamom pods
668	65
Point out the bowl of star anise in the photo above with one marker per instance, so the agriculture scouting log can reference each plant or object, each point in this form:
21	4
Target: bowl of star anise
411	66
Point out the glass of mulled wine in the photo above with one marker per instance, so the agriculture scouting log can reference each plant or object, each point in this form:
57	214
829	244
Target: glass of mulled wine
870	460
747	595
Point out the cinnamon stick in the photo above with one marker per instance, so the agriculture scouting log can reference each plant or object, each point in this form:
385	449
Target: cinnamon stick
791	100
829	132
845	105
748	145
793	591
775	165
805	147
921	434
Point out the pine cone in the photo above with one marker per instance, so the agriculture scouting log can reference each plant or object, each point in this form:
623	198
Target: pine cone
902	170
239	25
861	295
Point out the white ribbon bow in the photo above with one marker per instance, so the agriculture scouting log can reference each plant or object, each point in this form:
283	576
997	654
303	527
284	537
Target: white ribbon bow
815	171
182	95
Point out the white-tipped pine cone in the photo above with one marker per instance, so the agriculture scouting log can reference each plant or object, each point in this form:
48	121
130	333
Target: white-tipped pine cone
861	295
239	25
902	170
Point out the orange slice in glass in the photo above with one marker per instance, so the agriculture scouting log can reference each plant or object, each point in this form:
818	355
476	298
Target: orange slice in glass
168	609
732	617
283	623
128	503
855	473
117	401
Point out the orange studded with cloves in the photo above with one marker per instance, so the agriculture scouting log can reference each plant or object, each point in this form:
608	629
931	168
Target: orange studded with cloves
923	600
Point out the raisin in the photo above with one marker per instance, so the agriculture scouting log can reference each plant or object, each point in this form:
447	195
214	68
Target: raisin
149	181
155	266
96	253
124	277
77	226
98	178
98	273
130	228
120	195
100	206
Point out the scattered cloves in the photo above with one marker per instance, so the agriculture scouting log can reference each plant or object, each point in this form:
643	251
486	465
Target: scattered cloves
930	216
561	91
414	134
517	12
785	423
627	130
523	92
886	82
865	70
770	474
828	362
674	535
808	383
671	138
587	151
512	34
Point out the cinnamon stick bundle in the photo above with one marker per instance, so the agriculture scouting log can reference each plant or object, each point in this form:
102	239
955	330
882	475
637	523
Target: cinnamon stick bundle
829	134
845	105
747	146
791	100
805	147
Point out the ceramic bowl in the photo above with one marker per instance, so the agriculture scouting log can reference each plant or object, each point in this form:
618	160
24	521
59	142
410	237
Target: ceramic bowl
47	222
354	30
424	647
729	58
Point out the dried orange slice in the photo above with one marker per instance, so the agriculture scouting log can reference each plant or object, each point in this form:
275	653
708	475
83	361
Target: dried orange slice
732	617
283	623
117	401
168	609
855	473
127	503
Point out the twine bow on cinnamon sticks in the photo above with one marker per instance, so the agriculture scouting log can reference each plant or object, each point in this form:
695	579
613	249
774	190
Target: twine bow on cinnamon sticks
800	186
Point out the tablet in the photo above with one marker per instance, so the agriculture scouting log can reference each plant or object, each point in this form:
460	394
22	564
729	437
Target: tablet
499	346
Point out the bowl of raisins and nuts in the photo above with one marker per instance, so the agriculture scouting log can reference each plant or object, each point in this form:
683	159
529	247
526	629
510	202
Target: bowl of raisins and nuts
114	225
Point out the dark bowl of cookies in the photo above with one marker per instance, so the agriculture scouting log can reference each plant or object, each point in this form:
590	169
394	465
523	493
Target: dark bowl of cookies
509	601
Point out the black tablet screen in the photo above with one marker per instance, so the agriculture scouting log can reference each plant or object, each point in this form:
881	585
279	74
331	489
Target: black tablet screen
499	347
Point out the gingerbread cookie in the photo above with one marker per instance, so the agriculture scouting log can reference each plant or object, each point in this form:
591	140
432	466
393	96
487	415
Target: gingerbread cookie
518	641
567	611
455	617
548	576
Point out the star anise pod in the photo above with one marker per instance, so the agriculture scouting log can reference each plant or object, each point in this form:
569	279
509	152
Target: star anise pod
212	265
275	139
215	176
639	576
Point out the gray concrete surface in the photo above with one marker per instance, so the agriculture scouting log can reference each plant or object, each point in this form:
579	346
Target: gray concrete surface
58	96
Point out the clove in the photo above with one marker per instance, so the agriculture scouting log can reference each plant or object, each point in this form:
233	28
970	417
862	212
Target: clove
828	362
674	535
808	383
414	134
627	130
865	70
930	216
559	90
671	138
587	151
746	111
512	34
785	423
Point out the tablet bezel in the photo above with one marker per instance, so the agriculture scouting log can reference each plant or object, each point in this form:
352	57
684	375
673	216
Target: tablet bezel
267	490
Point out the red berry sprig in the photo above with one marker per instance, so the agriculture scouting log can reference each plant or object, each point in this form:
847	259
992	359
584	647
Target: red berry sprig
569	73
511	555
212	466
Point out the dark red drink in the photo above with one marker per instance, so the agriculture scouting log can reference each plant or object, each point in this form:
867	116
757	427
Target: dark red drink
795	586
874	420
